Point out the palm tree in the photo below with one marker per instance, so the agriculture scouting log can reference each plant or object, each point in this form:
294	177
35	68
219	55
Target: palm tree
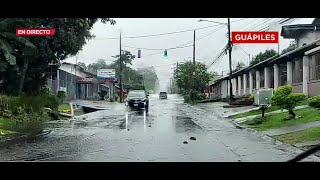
5	47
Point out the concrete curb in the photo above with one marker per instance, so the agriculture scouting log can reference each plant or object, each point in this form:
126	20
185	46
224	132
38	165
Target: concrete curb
10	141
281	145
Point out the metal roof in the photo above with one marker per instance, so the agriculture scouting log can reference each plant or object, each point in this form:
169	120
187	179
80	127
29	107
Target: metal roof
290	31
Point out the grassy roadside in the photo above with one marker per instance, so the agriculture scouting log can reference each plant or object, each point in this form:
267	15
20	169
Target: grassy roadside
4	123
311	134
64	108
274	121
256	112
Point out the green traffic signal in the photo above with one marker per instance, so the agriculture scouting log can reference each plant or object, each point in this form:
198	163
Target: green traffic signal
165	54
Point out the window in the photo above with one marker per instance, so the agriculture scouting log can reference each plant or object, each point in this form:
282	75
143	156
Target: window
315	67
283	74
297	71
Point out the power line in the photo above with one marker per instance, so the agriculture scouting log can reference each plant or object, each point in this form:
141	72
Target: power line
239	20
179	46
162	34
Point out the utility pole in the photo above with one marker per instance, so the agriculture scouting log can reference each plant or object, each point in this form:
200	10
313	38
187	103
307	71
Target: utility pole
230	64
194	65
75	74
120	74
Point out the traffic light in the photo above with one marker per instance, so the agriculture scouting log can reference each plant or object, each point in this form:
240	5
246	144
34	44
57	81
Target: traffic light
165	54
139	53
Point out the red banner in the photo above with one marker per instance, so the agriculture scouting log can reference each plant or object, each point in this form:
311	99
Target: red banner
35	31
255	37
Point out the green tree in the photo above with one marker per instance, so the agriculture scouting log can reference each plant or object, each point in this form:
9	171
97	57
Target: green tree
183	76
5	48
263	56
71	35
285	99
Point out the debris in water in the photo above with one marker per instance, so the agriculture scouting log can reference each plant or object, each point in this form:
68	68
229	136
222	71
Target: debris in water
149	125
185	142
84	118
128	129
193	138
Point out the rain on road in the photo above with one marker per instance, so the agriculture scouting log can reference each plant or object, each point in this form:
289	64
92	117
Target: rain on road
118	135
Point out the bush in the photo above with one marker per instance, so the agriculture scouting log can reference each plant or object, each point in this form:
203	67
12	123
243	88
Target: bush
23	122
314	102
45	90
33	103
285	99
61	96
4	100
251	97
197	96
102	94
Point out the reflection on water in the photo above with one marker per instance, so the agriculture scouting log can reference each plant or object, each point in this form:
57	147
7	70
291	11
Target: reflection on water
134	118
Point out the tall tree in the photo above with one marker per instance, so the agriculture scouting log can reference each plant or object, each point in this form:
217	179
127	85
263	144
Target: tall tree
184	73
263	56
71	35
5	48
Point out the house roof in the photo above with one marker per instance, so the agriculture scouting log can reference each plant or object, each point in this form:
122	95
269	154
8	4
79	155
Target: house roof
291	31
81	68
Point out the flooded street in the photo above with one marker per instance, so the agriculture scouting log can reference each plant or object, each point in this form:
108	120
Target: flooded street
163	134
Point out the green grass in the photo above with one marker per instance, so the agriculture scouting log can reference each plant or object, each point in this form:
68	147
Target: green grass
4	125
64	107
311	134
274	121
256	112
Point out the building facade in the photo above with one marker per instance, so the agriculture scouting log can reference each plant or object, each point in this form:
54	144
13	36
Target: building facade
78	83
299	67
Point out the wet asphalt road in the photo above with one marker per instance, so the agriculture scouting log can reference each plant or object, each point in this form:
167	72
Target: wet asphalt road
118	135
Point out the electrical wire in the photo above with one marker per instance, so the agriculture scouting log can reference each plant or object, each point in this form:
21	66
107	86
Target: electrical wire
162	34
179	46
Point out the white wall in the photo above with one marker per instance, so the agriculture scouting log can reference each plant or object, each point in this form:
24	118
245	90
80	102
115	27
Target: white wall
71	69
308	37
224	88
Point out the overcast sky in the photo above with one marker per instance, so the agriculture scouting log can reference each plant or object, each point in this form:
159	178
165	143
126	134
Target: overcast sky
212	41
